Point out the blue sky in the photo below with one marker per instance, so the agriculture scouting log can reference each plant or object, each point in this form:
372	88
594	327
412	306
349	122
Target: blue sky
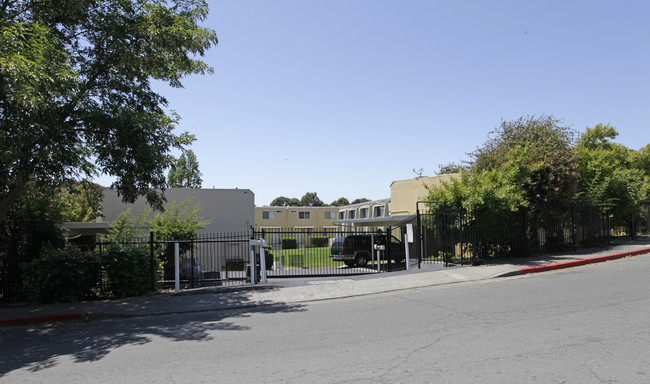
342	97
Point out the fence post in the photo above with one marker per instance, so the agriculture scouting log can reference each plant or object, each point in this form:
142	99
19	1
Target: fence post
152	262
405	239
262	261
251	247
418	241
192	262
177	274
387	253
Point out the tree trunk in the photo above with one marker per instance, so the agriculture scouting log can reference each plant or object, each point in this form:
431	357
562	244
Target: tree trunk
13	195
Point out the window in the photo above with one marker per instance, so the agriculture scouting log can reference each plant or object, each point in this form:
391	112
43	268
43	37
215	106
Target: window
304	215
342	215
380	211
268	215
330	215
351	214
363	213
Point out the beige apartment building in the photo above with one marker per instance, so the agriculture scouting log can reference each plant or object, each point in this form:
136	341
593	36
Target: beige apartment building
394	211
404	194
301	222
294	217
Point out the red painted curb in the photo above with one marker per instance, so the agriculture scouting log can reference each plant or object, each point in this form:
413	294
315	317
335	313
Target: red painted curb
43	319
576	263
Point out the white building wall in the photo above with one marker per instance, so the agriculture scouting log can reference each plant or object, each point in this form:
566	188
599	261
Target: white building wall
230	210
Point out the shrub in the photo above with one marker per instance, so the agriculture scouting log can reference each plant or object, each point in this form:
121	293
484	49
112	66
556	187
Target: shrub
128	270
61	275
288	243
235	265
319	241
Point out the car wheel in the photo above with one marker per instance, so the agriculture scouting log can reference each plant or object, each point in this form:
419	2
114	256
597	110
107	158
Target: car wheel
361	260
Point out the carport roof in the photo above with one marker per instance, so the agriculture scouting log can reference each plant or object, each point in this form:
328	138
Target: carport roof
379	221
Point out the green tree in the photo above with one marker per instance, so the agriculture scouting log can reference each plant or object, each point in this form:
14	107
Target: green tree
525	164
361	200
641	160
311	199
283	201
499	191
340	202
184	172
543	147
611	174
450	168
76	96
179	221
127	226
31	226
81	201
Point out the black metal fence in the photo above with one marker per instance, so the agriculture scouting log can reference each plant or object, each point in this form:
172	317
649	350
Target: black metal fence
225	258
453	237
208	260
456	236
308	251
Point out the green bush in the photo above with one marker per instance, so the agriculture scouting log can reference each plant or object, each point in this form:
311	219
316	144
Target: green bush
319	241
288	243
128	270
61	275
235	265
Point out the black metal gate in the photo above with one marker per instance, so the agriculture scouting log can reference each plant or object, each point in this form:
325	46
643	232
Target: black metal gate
311	252
439	237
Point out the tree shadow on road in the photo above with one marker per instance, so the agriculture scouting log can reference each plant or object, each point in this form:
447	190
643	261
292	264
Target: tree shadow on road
38	347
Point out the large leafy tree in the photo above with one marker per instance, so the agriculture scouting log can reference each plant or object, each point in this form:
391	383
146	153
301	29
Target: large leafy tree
340	202
76	95
528	163
31	226
81	201
542	148
449	168
311	199
283	201
611	174
184	172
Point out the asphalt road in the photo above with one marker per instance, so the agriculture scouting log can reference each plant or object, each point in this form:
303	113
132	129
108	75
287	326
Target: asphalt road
582	325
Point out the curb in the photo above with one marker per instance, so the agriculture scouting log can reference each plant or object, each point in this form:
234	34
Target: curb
44	319
575	263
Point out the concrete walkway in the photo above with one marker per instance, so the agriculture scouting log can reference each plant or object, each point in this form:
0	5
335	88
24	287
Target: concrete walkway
290	291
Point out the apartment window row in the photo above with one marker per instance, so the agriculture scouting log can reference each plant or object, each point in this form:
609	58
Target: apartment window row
364	213
303	215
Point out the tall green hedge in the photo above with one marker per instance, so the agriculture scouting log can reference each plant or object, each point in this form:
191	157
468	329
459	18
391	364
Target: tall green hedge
128	270
61	275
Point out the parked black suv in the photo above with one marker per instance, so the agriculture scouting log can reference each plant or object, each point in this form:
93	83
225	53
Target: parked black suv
356	250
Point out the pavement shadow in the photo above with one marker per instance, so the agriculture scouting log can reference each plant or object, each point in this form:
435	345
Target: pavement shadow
38	347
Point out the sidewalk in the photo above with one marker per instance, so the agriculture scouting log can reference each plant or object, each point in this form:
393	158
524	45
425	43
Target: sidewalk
290	291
